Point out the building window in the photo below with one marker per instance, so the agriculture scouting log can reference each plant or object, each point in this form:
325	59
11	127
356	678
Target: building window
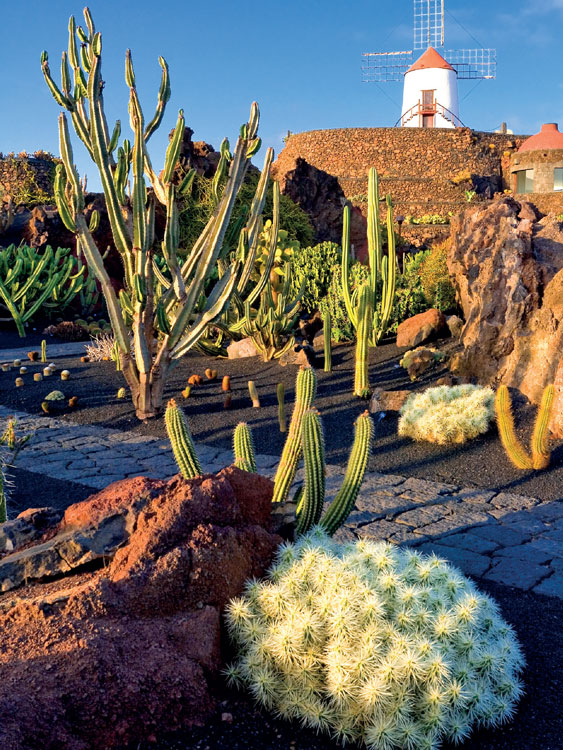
525	181
558	178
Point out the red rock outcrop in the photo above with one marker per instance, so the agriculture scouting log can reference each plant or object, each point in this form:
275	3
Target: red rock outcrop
418	329
507	267
103	658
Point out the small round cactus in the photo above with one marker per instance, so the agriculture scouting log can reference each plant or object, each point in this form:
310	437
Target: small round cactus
17	362
23	370
19	382
47	372
65	374
37	377
121	393
6	367
374	644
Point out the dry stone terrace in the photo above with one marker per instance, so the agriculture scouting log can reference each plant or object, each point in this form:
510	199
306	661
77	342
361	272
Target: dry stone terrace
499	536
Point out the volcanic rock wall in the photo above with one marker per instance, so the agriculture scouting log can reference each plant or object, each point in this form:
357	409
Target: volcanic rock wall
27	179
422	169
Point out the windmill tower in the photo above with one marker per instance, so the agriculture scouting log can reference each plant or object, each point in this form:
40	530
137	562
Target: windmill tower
430	72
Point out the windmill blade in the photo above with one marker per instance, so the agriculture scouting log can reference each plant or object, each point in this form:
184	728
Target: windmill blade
380	67
428	24
473	63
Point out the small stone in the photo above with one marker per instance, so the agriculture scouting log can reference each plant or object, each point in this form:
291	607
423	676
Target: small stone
387	400
241	349
227	717
455	325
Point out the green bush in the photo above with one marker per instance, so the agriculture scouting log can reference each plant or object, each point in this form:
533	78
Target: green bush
342	329
315	265
435	279
374	644
197	206
447	415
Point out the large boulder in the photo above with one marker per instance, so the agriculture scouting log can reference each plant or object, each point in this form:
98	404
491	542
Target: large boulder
127	645
420	328
507	267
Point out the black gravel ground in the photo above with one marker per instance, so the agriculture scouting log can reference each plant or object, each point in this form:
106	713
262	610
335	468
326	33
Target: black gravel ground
480	463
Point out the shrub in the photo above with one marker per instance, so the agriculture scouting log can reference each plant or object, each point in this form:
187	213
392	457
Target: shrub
342	328
315	265
446	415
435	279
375	644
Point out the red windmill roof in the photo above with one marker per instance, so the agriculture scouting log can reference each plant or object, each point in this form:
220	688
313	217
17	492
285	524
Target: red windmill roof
548	137
430	59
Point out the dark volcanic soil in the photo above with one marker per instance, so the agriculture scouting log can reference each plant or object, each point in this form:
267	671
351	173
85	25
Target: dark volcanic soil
481	462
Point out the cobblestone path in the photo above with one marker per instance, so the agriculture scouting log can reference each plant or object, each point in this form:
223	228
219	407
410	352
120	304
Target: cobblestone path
497	536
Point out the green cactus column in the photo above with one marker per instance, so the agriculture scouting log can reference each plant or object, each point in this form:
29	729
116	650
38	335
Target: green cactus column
327	333
305	391
311	504
243	448
182	441
541	452
365	317
340	507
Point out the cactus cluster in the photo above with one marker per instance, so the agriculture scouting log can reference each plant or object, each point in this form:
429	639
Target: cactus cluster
373	644
540	451
447	415
49	280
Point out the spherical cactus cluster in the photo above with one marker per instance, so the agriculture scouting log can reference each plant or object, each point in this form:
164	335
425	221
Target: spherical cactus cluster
447	414
374	644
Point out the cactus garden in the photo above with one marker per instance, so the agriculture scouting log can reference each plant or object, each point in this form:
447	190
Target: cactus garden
273	474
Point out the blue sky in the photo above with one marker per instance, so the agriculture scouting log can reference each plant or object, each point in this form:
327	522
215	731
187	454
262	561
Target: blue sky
299	59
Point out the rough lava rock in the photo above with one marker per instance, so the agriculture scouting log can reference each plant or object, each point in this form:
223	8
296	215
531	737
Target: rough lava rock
508	271
418	329
241	349
107	657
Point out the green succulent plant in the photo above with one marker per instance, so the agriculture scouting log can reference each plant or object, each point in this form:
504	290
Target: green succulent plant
373	644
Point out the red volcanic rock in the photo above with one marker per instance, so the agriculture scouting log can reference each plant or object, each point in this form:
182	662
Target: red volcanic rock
109	658
418	329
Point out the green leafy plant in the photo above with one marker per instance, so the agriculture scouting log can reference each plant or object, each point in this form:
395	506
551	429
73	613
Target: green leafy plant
429	219
342	328
47	281
373	644
447	414
178	299
314	267
469	195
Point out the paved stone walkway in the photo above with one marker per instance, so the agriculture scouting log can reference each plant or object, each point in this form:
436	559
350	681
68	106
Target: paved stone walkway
497	536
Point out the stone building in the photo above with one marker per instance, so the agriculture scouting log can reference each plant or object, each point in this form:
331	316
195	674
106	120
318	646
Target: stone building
537	166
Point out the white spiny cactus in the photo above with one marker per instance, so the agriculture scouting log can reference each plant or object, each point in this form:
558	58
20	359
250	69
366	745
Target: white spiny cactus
373	644
446	415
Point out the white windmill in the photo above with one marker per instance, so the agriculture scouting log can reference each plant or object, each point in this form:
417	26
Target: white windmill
430	98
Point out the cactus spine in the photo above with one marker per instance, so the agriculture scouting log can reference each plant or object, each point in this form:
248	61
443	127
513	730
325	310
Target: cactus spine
311	502
305	391
181	441
365	316
343	502
43	351
281	407
243	447
540	440
327	330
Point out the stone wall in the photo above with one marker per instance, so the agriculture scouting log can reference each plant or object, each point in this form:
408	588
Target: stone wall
27	179
547	203
426	171
543	162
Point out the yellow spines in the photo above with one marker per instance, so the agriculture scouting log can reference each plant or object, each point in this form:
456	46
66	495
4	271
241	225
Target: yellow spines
540	438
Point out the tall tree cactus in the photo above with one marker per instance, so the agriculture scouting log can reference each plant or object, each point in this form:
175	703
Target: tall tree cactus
381	267
170	299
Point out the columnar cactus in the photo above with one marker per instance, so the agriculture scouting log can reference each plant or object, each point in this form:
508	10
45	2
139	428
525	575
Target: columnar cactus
243	448
305	391
327	331
310	505
365	318
43	350
181	441
281	406
382	268
345	498
171	298
540	454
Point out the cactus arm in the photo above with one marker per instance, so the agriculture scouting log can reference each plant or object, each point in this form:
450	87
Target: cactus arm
163	97
327	334
257	291
345	261
181	441
280	392
243	448
541	452
339	509
505	421
365	317
389	278
374	229
305	391
311	505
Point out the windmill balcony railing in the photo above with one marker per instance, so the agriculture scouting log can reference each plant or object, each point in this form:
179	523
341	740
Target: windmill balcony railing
419	109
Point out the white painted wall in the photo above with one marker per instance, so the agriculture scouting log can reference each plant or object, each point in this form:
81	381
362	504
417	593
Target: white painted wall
442	81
